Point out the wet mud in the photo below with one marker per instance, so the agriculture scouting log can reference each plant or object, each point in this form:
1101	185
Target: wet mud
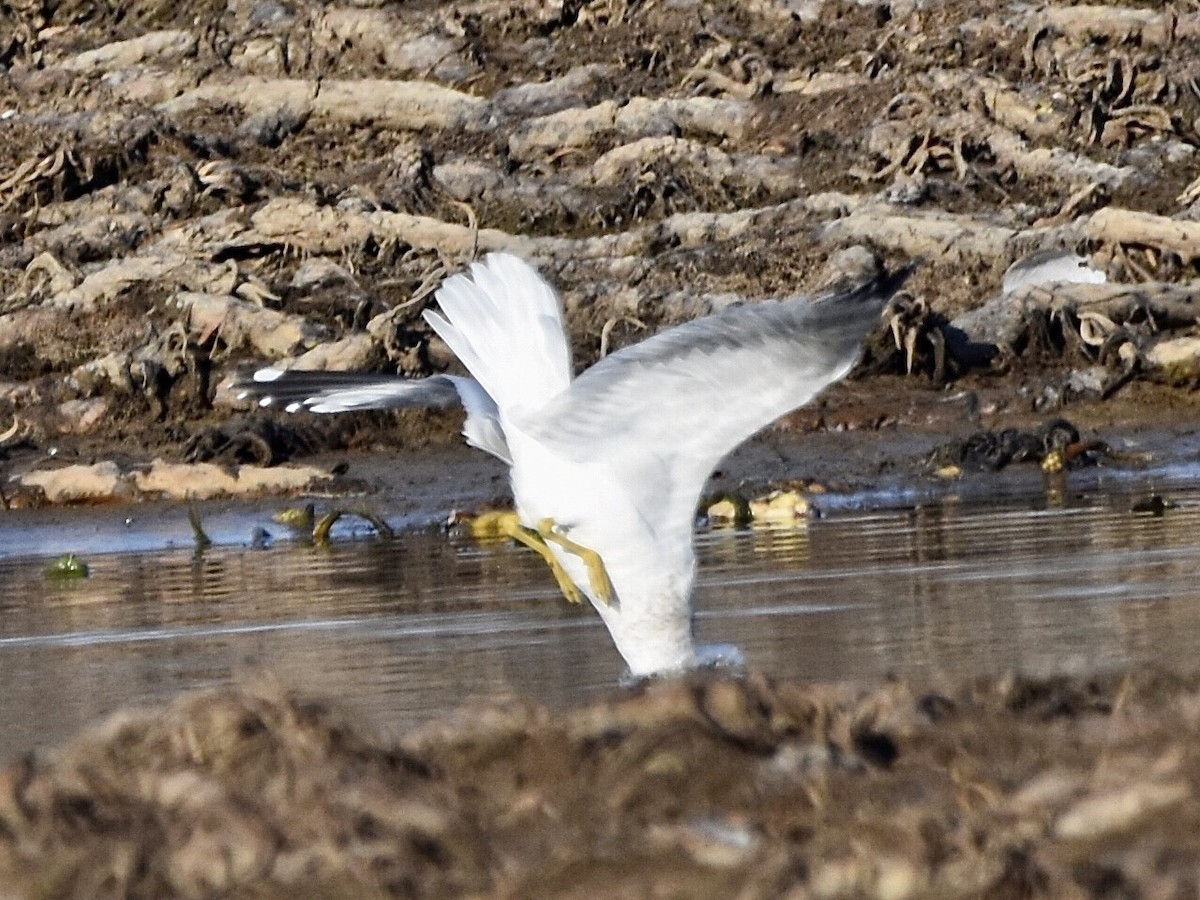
711	786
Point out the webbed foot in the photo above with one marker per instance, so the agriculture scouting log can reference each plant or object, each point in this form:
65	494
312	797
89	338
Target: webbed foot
597	574
508	524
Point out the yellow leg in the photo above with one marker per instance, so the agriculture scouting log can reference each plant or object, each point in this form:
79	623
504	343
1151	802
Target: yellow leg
511	526
597	574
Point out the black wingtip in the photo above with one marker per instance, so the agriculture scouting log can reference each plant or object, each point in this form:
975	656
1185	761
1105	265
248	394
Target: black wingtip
887	283
871	289
866	300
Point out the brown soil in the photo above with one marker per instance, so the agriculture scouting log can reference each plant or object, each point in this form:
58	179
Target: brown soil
705	787
252	153
186	189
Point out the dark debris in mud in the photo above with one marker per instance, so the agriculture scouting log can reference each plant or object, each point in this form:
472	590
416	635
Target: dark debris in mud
263	442
1055	445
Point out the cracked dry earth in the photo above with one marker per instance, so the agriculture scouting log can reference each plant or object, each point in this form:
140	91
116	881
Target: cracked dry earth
186	188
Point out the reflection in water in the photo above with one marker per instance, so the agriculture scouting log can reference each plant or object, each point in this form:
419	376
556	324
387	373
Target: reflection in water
400	631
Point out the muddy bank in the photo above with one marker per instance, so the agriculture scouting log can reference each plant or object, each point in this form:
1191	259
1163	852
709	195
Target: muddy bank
711	786
829	468
187	192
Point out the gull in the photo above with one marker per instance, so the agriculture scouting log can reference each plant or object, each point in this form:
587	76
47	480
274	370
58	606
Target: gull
607	469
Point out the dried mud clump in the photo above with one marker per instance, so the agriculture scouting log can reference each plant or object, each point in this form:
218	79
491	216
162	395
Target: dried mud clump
705	787
228	792
185	189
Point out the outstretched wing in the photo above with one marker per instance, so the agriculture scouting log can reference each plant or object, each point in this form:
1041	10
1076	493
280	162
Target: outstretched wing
664	412
333	392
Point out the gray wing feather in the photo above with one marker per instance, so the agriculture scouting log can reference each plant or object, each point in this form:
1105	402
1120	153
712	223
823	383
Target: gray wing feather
665	411
333	392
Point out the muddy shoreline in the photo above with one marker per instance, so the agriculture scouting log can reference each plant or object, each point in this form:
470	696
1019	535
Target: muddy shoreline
870	467
868	434
290	184
710	786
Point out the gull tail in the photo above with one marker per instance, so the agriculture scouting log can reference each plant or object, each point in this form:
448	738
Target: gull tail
504	323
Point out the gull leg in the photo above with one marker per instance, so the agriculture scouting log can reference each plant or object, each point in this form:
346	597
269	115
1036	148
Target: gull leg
597	574
510	526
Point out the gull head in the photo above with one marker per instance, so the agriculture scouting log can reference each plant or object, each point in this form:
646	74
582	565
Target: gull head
651	625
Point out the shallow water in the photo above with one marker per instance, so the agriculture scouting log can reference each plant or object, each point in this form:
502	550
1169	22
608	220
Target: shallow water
401	630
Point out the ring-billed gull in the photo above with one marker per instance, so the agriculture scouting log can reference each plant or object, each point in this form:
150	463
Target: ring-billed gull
607	468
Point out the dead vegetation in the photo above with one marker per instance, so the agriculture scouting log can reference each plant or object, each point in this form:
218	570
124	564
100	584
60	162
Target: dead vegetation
178	198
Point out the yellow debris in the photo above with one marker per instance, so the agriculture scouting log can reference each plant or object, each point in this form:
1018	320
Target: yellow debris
1053	462
779	507
298	517
729	510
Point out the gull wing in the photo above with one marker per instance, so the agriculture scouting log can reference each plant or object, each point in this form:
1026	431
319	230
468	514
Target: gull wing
663	413
333	392
504	323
